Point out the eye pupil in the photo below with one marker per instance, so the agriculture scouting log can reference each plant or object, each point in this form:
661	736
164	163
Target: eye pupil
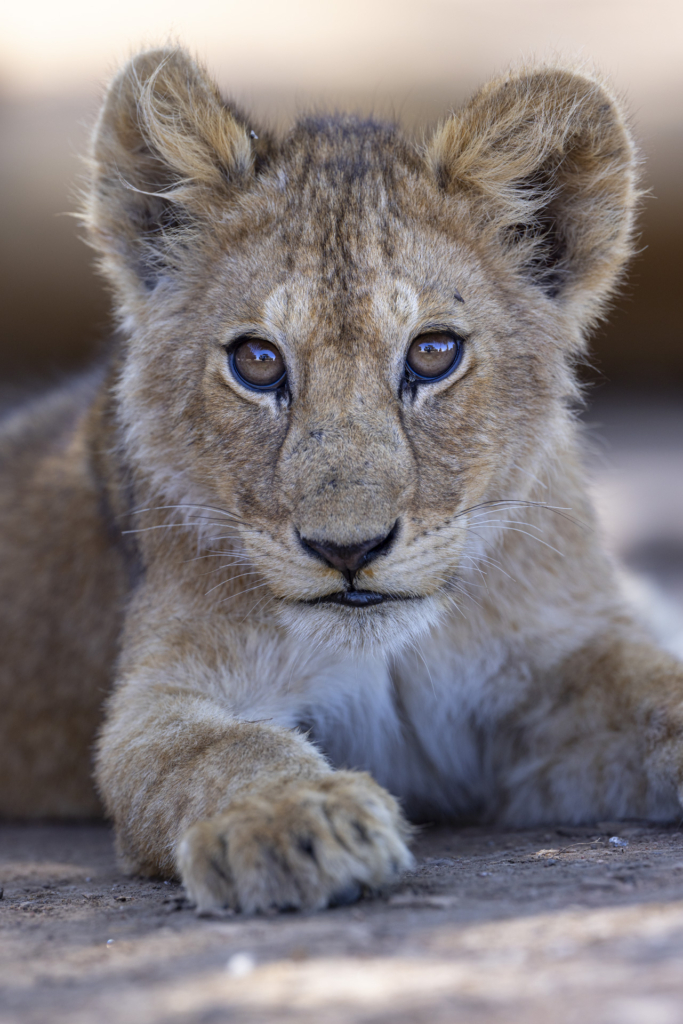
434	355
258	364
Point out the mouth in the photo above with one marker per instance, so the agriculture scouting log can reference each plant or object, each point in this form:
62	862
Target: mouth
358	598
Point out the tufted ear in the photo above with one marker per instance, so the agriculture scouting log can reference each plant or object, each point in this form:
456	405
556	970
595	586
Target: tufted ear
548	164
165	150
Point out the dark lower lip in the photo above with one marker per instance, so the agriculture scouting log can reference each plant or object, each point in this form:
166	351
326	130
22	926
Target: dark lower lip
357	598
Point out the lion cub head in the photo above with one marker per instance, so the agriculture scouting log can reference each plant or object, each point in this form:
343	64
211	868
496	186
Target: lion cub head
347	342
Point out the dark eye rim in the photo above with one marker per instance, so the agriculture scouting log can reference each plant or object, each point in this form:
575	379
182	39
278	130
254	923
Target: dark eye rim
231	349
413	376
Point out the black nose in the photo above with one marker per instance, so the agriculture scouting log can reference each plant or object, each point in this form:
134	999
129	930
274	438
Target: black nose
349	558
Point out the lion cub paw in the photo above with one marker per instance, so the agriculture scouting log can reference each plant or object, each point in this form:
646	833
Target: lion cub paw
302	845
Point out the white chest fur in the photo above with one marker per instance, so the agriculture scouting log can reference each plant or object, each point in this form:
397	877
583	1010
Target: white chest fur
421	725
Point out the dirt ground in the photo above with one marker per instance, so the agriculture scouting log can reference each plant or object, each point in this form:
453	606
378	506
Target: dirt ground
562	925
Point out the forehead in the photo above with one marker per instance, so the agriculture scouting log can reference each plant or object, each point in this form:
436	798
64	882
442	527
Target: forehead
351	227
352	188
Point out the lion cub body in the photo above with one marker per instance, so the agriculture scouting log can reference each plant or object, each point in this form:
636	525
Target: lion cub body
173	520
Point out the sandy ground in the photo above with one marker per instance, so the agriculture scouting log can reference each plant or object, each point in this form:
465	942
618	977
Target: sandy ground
567	924
556	925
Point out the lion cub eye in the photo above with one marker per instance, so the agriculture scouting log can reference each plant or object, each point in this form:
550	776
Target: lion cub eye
434	355
257	364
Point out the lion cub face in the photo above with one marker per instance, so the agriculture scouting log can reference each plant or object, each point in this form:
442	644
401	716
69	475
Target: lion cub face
347	344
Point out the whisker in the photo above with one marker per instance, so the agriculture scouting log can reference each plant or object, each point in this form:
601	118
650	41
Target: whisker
471	583
517	522
223	583
512	529
493	563
212	519
443	579
228	536
188	526
207	508
451	600
459	586
163	526
213	554
226	565
252	611
559	510
241	592
510	502
532	476
476	568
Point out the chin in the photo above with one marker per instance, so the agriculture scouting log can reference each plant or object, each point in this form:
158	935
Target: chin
390	626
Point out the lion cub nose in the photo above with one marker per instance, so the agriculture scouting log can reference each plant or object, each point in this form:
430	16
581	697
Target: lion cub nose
349	558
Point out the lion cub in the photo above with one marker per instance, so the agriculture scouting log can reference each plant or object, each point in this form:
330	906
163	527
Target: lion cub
324	509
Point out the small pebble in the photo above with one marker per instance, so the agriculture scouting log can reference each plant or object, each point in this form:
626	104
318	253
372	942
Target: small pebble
240	964
110	942
616	841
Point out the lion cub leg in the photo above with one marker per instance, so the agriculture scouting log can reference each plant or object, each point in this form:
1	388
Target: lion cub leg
604	739
248	814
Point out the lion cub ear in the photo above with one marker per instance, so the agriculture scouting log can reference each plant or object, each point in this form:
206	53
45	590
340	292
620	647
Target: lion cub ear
548	165
166	150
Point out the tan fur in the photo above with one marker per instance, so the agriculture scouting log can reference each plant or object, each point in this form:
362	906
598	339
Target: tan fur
163	503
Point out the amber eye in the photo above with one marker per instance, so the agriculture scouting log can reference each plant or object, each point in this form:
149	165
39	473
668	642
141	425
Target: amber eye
433	356
258	364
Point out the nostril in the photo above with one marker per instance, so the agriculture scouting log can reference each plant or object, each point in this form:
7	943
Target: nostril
349	558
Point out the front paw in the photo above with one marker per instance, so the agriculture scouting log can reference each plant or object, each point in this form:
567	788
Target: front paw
300	845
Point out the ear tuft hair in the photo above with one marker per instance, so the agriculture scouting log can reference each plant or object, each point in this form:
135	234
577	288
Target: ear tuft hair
165	151
548	165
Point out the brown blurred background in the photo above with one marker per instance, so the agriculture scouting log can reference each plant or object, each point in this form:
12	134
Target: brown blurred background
397	58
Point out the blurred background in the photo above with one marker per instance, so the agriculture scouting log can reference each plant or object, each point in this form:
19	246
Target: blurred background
407	60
